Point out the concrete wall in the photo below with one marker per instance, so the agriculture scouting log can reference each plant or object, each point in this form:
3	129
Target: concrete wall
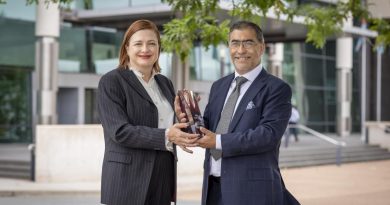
379	8
69	153
78	82
74	153
377	134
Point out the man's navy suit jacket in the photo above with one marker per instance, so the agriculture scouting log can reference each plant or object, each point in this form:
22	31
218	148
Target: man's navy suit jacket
250	150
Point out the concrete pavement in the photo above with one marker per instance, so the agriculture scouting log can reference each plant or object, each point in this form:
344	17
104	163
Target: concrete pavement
366	183
356	183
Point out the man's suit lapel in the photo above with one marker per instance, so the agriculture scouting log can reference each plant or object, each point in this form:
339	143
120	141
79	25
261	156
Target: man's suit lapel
256	86
220	99
133	81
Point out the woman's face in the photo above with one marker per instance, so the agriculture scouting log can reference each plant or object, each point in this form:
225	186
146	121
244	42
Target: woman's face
143	49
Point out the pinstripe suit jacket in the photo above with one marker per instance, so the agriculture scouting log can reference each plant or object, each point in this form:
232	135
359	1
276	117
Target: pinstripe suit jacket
132	139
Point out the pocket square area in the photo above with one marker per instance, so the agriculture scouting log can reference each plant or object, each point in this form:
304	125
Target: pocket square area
250	105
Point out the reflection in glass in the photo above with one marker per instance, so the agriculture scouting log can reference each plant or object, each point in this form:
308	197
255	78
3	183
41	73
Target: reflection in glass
17	42
314	104
330	70
104	4
209	64
15	106
313	71
312	76
165	62
91	113
144	2
73	50
105	50
17	10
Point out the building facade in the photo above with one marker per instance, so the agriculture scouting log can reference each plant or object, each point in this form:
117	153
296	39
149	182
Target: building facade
89	41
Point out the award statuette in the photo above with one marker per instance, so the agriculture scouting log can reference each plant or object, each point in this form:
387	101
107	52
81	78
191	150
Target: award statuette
189	106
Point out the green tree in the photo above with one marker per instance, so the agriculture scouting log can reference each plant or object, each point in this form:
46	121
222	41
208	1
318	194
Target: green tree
199	20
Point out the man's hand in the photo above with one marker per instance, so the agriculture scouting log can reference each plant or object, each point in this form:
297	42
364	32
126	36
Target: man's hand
182	139
208	140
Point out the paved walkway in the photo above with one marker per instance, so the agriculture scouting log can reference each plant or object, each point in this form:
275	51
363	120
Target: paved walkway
356	183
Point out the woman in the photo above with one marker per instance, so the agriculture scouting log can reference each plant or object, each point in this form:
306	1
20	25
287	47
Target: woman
135	105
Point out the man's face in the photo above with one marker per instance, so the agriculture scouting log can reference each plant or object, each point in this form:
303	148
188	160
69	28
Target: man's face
245	50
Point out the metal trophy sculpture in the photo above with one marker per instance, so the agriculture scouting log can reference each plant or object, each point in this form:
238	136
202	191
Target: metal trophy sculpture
189	106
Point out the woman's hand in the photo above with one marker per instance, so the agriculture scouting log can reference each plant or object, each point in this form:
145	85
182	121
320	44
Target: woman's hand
182	139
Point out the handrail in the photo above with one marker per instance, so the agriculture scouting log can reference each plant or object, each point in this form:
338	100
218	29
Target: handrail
339	144
31	148
319	135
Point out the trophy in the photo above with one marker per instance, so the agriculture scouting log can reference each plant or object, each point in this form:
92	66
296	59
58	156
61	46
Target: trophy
189	106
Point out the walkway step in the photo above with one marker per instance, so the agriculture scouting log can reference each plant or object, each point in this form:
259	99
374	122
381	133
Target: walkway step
313	153
14	169
16	175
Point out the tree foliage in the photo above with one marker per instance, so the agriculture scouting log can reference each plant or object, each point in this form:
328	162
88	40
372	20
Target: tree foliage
200	20
322	21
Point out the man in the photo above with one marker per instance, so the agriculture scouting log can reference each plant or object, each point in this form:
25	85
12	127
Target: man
294	119
245	117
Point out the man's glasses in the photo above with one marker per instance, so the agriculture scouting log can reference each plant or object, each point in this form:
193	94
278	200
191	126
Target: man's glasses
247	44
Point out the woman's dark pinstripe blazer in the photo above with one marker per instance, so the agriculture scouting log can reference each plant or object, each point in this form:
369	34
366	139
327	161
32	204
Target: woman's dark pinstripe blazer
130	120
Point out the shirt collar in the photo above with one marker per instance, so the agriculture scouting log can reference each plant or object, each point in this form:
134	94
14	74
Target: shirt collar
251	75
140	75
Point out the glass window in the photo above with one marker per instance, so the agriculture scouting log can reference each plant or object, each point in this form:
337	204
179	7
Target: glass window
314	105
356	70
356	111
104	4
105	50
209	64
144	2
330	70
288	69
311	49
80	4
91	113
73	50
15	105
331	105
313	74
17	42
330	48
17	10
165	62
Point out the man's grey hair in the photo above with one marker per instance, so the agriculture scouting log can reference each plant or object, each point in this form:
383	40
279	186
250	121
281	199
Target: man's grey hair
240	25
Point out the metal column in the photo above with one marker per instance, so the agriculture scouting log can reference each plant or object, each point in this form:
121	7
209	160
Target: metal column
344	85
46	60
